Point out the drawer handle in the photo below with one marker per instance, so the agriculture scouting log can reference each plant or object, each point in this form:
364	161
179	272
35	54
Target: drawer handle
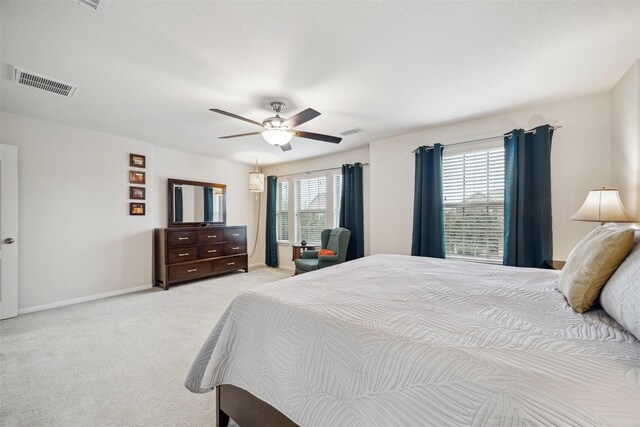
235	234
212	251
183	254
211	237
236	248
192	270
230	263
183	238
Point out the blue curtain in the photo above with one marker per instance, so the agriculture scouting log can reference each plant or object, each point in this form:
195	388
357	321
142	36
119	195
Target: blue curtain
428	206
528	237
351	209
177	202
208	203
271	242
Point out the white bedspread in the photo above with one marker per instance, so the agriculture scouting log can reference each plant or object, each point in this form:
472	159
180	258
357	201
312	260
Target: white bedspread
392	340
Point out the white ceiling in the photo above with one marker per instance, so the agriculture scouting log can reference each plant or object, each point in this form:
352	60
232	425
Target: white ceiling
151	70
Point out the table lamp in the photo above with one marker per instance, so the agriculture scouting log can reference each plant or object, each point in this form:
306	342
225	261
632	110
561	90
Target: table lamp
603	205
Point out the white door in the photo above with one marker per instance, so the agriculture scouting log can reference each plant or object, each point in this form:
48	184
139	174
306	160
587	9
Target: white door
8	231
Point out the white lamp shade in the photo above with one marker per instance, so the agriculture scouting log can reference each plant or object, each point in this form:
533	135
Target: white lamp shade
256	182
277	136
603	205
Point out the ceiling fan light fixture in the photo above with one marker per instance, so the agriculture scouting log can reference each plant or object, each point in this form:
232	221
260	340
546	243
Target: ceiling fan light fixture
277	136
279	131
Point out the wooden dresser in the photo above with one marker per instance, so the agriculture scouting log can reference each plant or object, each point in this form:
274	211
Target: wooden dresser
189	253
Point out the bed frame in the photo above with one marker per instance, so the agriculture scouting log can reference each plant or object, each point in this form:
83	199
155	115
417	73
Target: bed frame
246	409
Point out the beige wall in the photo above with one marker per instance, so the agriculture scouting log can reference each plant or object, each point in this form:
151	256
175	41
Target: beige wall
337	160
77	240
580	161
625	139
76	236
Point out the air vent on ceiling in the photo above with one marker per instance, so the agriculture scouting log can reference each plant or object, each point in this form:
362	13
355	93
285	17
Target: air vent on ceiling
352	131
38	81
93	4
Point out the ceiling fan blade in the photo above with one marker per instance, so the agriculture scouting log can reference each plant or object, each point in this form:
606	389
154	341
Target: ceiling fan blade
239	135
286	147
301	117
235	116
318	136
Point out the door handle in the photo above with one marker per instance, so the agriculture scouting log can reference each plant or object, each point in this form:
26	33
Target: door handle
9	240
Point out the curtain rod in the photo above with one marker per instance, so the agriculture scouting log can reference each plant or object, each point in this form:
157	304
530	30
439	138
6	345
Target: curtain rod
489	138
317	170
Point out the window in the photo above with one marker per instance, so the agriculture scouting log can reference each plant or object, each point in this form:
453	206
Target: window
473	185
307	205
310	208
282	210
337	197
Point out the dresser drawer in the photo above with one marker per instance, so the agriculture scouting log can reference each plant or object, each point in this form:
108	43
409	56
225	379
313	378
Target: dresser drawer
190	271
210	236
235	248
181	238
210	251
181	254
234	235
230	263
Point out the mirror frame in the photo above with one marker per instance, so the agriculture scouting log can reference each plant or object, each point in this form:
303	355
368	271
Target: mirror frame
172	224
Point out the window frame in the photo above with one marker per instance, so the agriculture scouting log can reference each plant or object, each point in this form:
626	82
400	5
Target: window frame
336	199
279	211
329	207
467	149
306	177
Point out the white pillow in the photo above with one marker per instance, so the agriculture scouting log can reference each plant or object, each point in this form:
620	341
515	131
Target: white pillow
620	297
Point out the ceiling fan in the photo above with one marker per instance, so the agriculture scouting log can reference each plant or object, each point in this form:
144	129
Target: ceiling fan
278	131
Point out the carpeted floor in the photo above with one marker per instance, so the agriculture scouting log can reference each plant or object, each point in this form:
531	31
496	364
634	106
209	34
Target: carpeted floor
117	361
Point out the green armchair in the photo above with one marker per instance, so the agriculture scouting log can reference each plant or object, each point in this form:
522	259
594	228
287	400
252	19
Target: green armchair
336	240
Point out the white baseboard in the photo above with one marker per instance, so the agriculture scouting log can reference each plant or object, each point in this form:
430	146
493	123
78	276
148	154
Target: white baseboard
107	295
82	299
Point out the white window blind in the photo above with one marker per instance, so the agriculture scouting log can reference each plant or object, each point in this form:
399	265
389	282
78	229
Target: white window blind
310	208
282	211
473	185
337	196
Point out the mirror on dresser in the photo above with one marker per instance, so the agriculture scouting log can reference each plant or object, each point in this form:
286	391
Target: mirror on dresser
195	203
198	244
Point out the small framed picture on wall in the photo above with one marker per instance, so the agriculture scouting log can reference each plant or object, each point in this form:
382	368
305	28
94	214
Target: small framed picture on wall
138	193
137	161
136	177
136	208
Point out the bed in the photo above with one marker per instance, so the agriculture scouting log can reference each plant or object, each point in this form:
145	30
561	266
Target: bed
398	340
